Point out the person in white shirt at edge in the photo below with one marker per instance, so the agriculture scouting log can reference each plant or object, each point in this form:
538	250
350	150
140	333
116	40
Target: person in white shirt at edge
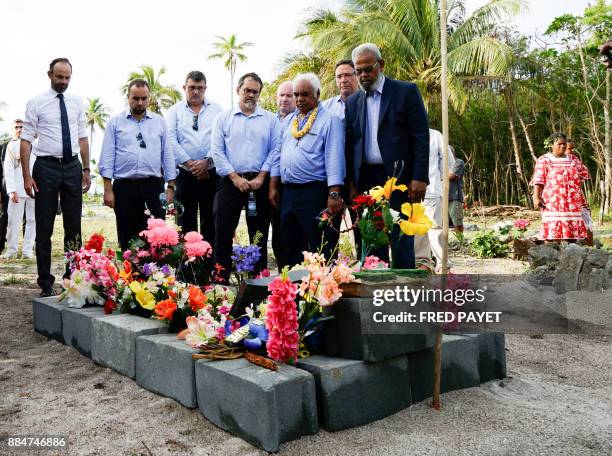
432	242
59	120
346	80
19	202
189	126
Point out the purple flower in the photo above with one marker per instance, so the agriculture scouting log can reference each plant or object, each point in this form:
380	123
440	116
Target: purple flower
245	258
166	270
149	269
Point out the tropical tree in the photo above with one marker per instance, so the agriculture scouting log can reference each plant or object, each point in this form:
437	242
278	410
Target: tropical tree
2	105
232	51
408	34
96	116
160	96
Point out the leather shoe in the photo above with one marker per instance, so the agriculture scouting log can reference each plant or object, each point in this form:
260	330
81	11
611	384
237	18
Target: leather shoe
47	291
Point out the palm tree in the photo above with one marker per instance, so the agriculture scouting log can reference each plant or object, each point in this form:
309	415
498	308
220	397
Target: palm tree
2	105
230	50
96	116
160	96
408	34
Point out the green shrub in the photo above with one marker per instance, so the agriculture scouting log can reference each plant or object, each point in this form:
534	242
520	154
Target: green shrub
488	245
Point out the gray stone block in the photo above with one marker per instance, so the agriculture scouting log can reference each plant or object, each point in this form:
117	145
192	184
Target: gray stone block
347	335
77	327
47	316
261	406
491	355
114	340
353	393
164	365
598	258
459	367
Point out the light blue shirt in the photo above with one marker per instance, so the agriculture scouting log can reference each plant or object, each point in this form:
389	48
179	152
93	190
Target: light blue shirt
284	121
242	144
185	142
122	157
372	151
335	105
317	156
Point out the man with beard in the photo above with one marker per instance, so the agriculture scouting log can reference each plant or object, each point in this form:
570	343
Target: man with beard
347	84
133	159
59	120
13	143
244	141
189	126
386	135
311	169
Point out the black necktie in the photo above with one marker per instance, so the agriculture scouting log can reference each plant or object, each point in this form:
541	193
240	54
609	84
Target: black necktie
66	142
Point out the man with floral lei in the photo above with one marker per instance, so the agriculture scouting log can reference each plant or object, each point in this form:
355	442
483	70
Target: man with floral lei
311	170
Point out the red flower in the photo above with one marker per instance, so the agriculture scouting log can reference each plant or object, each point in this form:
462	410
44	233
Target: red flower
197	299
95	243
109	306
165	309
364	200
377	214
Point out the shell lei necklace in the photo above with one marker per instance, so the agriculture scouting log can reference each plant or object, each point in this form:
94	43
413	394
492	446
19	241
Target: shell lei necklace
297	134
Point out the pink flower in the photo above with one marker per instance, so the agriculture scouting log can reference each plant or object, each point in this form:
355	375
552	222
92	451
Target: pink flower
161	235
282	321
155	223
198	249
125	255
193	236
342	273
329	292
373	262
263	273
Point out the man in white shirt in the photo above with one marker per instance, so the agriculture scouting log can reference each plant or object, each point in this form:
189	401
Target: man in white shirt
19	202
4	200
189	126
346	80
432	242
59	120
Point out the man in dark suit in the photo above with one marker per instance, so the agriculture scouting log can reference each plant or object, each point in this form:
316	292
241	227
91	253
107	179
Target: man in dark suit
387	134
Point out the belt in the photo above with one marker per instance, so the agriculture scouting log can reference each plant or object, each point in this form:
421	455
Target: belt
138	179
59	160
248	176
306	185
373	165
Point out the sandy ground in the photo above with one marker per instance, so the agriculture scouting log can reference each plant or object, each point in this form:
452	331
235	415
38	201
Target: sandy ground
557	399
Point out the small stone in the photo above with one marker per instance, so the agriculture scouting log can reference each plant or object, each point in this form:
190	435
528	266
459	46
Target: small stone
543	255
597	258
609	266
471	227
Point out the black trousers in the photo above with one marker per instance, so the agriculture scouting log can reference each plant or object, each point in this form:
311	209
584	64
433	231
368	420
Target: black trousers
194	194
4	200
229	202
132	198
53	179
300	207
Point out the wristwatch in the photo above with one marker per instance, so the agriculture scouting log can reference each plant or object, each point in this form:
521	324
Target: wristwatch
86	169
334	195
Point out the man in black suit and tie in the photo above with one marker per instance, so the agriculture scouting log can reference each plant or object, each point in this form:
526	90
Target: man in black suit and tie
386	132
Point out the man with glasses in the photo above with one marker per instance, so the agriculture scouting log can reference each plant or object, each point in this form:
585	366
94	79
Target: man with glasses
134	162
387	135
347	84
4	199
189	126
58	119
245	140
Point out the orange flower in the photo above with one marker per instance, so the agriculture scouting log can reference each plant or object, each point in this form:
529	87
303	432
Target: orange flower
172	294
126	274
165	309
112	272
197	299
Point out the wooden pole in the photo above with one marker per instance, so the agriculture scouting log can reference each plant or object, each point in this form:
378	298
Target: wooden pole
444	90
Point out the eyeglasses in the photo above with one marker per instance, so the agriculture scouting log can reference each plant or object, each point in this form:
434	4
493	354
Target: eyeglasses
142	143
367	69
195	123
344	75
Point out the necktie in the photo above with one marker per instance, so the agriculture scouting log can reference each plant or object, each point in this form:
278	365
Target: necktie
66	142
366	135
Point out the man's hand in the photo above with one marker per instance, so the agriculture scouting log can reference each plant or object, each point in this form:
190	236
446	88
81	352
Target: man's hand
13	196
188	164
30	186
240	182
256	183
109	198
86	181
170	195
352	191
417	191
453	176
199	168
334	205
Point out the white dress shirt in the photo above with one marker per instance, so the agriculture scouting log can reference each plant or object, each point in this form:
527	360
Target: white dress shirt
434	189
335	105
43	117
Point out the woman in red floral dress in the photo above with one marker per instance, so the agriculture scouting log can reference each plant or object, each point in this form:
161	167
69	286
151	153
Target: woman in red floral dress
557	192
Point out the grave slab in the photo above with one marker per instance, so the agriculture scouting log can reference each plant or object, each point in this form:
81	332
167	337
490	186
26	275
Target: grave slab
47	316
164	365
261	406
77	327
114	340
353	393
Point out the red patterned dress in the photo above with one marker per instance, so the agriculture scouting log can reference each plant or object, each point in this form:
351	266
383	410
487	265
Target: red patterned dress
562	195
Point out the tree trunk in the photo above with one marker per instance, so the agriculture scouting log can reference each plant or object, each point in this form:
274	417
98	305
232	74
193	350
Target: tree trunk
527	137
607	147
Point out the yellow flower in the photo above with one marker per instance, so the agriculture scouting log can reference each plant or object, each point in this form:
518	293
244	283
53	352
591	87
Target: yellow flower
385	192
297	134
418	223
145	298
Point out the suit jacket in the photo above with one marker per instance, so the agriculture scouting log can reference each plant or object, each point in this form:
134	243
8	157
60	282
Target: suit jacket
403	132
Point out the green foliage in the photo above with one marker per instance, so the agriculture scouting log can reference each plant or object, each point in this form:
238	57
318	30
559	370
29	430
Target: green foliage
487	245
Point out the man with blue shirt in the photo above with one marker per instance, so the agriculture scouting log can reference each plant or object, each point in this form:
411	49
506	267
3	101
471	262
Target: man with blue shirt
189	126
134	163
245	140
311	169
346	81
